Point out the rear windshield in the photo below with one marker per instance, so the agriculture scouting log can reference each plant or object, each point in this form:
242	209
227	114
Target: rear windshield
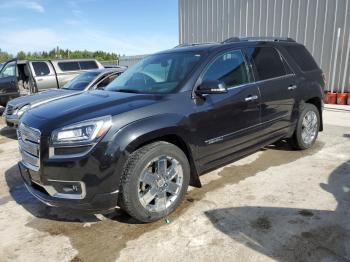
302	57
80	82
156	74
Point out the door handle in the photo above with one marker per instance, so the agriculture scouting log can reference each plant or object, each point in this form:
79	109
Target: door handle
251	98
39	79
292	87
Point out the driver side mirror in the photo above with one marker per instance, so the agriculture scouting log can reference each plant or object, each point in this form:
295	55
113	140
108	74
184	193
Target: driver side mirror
211	87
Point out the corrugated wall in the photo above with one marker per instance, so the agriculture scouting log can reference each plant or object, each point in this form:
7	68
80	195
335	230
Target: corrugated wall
311	22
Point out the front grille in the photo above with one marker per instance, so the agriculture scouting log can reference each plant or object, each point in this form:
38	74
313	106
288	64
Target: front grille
29	146
9	109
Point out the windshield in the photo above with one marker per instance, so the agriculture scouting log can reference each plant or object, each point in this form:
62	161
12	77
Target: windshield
159	74
81	81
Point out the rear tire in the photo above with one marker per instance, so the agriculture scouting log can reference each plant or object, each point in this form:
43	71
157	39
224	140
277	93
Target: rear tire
154	181
307	128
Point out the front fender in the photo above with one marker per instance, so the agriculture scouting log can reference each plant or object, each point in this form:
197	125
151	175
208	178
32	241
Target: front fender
136	134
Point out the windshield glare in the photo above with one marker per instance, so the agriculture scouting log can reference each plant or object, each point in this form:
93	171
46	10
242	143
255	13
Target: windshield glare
81	81
159	74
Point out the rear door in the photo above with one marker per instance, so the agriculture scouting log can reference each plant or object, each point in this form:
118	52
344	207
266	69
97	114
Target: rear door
8	79
43	74
277	84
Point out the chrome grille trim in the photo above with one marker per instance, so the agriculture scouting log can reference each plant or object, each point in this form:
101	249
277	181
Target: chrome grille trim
29	146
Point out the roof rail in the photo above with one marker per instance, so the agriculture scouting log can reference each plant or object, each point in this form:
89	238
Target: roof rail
231	40
194	44
264	39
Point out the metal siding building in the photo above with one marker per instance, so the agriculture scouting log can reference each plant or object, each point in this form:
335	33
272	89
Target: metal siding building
130	60
314	23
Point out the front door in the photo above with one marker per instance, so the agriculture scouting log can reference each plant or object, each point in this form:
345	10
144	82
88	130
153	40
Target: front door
276	82
8	79
226	123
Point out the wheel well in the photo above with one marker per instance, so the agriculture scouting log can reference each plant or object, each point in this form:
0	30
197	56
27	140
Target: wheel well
318	103
179	142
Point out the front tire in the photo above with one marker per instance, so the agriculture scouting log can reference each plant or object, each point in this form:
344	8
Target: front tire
154	181
307	128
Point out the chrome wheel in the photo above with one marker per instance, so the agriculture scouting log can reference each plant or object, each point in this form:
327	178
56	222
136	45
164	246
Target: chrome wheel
309	127
160	183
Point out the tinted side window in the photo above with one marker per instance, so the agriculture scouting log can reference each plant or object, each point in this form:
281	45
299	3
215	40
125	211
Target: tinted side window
104	82
268	62
41	68
302	57
69	66
88	65
229	68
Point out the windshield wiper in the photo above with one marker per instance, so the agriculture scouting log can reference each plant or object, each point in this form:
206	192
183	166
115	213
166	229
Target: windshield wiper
128	91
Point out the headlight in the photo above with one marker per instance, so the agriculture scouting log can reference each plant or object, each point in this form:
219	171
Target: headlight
19	112
82	133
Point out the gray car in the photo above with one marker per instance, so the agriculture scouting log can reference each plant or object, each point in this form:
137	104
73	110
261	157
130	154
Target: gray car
95	79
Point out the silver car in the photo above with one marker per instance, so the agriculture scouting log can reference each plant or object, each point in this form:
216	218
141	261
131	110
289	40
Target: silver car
94	79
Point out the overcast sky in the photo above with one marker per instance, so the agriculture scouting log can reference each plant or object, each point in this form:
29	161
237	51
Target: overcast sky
123	26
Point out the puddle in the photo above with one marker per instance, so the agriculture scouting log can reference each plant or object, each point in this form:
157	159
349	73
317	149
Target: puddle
106	237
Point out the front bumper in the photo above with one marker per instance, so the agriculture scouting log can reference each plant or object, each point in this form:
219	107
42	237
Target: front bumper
98	202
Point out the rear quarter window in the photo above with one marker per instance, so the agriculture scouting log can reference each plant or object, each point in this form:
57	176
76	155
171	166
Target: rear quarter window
69	66
302	57
84	65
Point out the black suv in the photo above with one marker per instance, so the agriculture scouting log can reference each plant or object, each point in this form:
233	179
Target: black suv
175	115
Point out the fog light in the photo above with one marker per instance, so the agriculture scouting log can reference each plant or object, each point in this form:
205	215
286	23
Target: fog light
71	189
68	188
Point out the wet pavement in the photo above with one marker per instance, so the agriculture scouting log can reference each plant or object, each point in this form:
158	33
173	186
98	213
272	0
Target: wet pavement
276	204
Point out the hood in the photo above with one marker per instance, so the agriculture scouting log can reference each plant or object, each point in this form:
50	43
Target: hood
39	97
86	105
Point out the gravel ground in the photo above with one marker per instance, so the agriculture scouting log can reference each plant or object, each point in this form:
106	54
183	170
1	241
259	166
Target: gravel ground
277	204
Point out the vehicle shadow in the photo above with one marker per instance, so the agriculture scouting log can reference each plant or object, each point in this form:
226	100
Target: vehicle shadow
288	234
280	145
38	209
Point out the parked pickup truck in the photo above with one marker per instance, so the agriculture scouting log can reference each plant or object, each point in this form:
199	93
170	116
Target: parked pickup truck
91	80
20	77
